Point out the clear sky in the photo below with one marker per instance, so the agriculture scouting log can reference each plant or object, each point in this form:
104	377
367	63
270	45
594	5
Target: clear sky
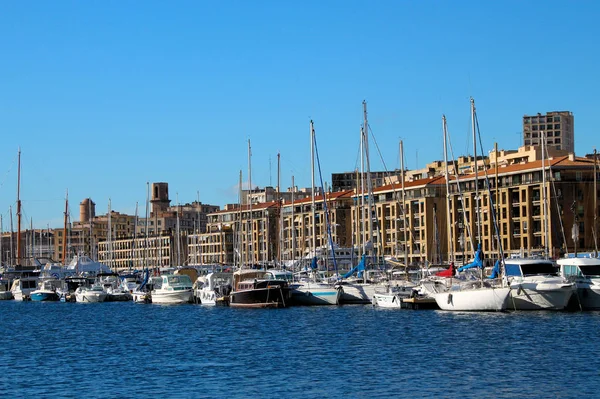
104	96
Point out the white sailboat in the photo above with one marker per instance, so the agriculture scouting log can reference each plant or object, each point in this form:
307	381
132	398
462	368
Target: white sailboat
469	295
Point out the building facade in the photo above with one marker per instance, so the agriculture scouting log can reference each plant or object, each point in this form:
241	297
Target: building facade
557	126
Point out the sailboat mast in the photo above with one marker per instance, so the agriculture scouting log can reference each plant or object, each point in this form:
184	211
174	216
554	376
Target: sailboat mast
477	210
146	224
312	182
280	200
362	193
1	233
91	253
448	214
239	234
12	245
135	223
403	209
19	208
251	228
544	195
109	246
64	254
293	222
369	181
595	206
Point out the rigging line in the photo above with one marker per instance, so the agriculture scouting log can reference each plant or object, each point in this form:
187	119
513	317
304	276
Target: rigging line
553	185
460	195
394	190
327	222
14	161
489	190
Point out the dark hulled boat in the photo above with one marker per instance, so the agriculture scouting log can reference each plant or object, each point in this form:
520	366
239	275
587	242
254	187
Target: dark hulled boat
251	289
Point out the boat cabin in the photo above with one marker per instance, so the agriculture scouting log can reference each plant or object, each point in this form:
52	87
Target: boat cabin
530	267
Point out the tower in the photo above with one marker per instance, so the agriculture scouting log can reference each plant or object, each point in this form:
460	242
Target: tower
87	210
160	197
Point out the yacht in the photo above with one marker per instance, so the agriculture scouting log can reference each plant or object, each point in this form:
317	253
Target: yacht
173	289
111	284
24	285
89	294
5	292
47	291
391	295
536	285
585	273
213	289
252	288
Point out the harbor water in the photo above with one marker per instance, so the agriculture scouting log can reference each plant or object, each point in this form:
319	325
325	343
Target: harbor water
127	350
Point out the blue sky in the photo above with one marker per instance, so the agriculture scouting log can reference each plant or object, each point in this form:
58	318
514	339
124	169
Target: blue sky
104	96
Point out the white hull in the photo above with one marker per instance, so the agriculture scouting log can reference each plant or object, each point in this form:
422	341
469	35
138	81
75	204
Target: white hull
392	301
171	297
90	297
475	299
141	297
588	296
207	297
315	294
537	297
356	293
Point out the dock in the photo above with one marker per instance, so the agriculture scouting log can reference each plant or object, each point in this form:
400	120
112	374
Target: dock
417	303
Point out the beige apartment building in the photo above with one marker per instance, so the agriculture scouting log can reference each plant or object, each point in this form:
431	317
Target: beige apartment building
142	252
557	126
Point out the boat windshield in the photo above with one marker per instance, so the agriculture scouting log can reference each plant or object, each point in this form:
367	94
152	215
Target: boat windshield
530	269
590	270
280	275
179	280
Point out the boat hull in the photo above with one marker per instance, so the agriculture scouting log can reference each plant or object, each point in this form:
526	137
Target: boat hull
309	295
5	295
90	297
477	299
523	297
391	301
267	297
357	294
44	296
172	297
588	296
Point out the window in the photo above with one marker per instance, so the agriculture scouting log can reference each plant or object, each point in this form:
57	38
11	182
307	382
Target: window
549	119
557	126
534	128
549	126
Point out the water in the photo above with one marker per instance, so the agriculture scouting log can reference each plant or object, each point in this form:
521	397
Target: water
127	350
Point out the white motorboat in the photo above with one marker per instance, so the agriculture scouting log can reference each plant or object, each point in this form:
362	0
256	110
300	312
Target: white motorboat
391	296
536	285
5	292
585	273
23	287
111	284
214	288
174	289
95	293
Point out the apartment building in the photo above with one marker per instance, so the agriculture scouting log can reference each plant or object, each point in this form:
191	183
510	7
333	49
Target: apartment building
557	126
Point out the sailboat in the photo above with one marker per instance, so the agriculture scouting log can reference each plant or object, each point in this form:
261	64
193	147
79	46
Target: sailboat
310	289
469	295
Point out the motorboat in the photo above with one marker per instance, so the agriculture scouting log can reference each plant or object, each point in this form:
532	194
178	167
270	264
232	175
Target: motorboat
66	293
24	285
47	291
585	273
90	294
173	289
536	285
252	288
5	293
392	295
111	284
213	289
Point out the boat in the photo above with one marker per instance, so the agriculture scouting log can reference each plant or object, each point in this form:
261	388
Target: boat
141	293
173	289
24	285
213	289
66	293
253	289
585	273
536	285
90	294
309	288
111	284
5	293
47	291
393	295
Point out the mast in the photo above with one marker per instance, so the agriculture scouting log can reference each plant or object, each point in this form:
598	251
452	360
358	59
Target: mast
109	246
19	208
449	216
403	206
369	181
178	232
197	246
280	200
251	228
595	206
240	241
497	210
312	182
135	223
1	233
544	195
146	225
293	223
91	230
363	215
64	254
477	210
12	246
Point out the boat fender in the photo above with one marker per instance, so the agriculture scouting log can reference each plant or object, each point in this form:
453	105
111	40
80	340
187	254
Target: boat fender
449	298
519	290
